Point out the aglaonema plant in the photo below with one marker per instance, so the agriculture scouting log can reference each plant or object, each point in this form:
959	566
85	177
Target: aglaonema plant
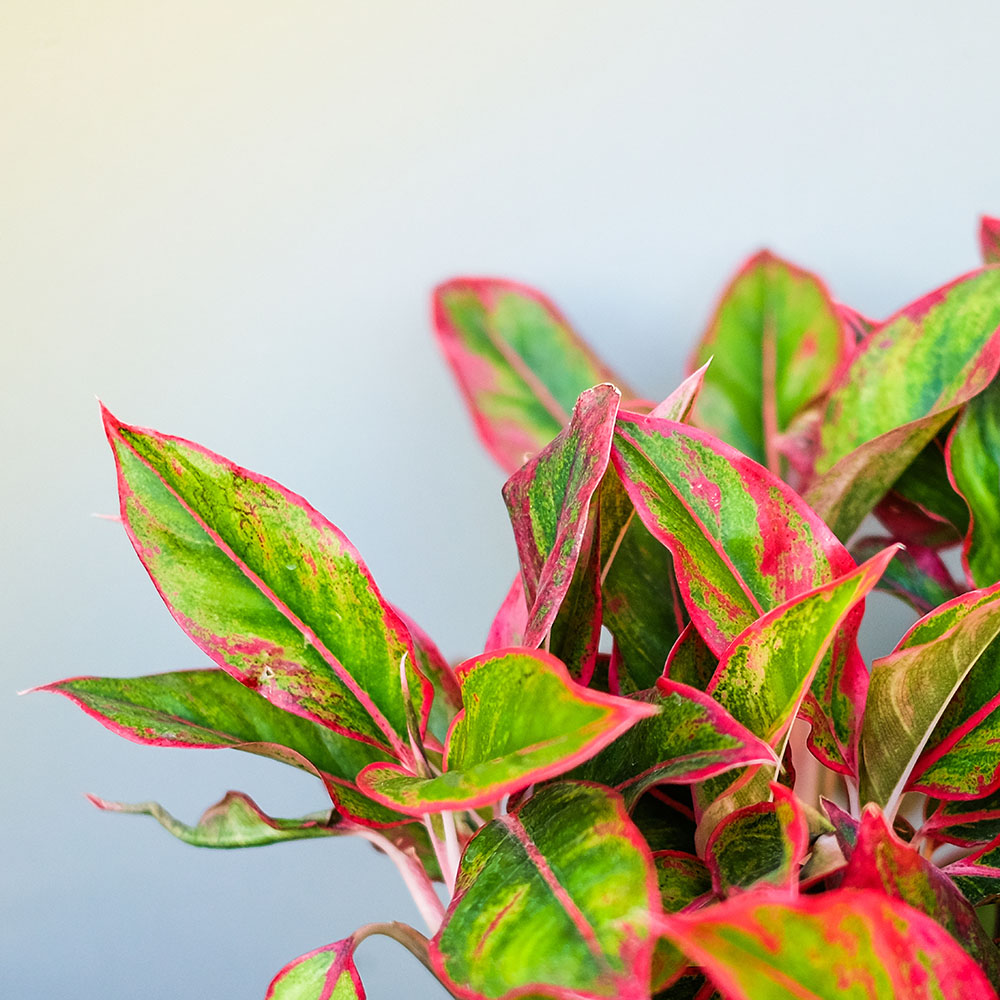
669	773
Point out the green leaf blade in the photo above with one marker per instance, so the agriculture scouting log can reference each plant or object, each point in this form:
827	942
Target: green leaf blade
518	363
328	973
555	899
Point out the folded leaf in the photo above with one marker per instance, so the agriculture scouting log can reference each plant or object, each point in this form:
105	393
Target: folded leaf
678	405
690	738
517	360
328	973
495	747
973	456
777	340
549	501
555	899
764	843
880	860
511	620
235	821
267	587
912	687
989	239
209	709
691	661
846	944
903	384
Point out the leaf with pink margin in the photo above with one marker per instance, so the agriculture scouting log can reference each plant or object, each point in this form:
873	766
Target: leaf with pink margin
760	844
743	543
208	709
912	687
554	899
678	405
917	575
989	239
511	620
518	363
273	592
691	661
880	860
903	384
495	748
977	876
966	822
846	944
973	458
778	340
328	973
549	502
235	821
691	738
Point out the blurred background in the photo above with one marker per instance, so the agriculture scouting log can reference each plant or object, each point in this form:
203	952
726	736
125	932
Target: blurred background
225	219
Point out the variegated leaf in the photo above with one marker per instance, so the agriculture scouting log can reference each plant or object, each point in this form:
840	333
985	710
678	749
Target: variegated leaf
989	239
777	340
328	973
846	944
518	363
267	587
903	384
554	899
917	575
495	747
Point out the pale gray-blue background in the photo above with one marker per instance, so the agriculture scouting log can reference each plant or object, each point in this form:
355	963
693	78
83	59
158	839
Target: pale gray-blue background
224	219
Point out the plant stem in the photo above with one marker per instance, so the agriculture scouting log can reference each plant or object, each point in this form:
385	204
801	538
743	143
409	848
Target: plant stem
412	940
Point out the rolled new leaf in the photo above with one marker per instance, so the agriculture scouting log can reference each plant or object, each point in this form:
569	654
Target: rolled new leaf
880	860
208	709
743	543
273	592
906	380
913	686
554	899
549	501
690	738
518	363
777	339
524	720
235	821
846	944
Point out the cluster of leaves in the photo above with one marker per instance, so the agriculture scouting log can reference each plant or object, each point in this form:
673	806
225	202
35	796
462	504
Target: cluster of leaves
728	801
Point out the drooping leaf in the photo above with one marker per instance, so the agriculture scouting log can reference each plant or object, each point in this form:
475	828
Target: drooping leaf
690	738
880	860
554	899
328	973
764	843
518	363
903	384
846	944
496	747
639	601
917	575
777	340
743	543
912	687
267	587
989	239
549	501
235	821
209	709
977	876
973	456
